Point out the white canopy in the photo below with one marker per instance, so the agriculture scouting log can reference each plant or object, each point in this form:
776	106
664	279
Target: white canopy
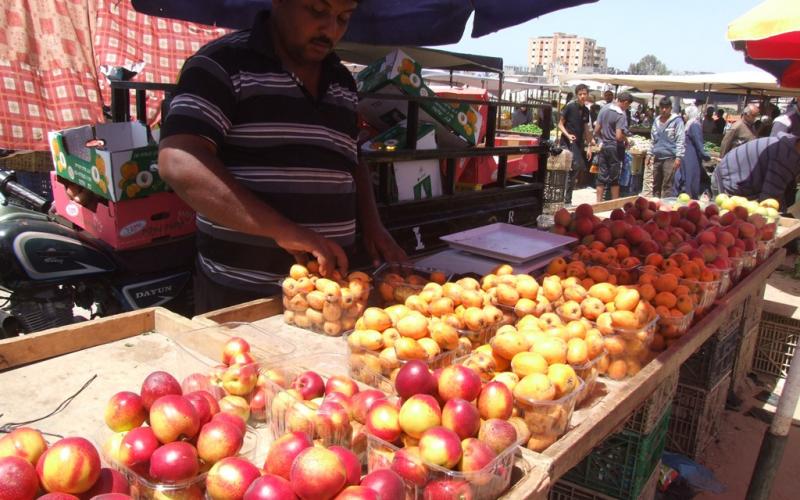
740	82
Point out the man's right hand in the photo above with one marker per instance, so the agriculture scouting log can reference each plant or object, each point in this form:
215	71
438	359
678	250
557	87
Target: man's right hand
571	137
299	240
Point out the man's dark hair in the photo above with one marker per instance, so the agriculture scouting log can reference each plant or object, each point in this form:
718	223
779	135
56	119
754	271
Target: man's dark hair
664	101
580	88
710	112
720	112
625	97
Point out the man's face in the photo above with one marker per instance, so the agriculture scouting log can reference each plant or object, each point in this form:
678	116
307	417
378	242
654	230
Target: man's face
309	29
665	111
624	105
582	96
749	116
608	95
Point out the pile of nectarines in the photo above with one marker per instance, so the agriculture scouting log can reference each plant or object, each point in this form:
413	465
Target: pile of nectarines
324	305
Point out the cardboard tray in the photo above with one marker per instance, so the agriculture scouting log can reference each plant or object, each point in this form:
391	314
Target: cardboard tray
507	242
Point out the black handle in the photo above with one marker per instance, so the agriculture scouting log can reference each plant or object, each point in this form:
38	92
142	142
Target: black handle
10	188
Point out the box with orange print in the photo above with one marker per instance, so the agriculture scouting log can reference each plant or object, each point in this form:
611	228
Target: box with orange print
113	160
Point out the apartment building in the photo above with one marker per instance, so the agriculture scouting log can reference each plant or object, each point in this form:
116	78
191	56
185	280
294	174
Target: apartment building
563	53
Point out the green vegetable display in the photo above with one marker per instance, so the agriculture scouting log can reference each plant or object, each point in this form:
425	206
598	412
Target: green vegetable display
710	147
528	128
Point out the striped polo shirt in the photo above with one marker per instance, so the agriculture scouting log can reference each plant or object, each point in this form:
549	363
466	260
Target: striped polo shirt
761	168
295	152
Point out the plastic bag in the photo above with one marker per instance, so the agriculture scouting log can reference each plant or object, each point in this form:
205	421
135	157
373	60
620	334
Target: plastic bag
698	476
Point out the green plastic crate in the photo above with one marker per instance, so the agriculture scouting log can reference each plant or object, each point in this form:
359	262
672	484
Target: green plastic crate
621	466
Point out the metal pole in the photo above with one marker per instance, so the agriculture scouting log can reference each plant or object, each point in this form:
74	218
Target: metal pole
771	453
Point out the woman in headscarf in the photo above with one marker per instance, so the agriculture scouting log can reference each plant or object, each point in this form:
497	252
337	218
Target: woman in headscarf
691	178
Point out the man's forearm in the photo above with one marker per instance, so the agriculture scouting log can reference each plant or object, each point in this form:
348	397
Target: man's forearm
199	178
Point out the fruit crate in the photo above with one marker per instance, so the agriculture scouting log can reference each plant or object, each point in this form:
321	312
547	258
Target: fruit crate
696	415
622	465
777	341
555	186
715	358
647	415
744	358
565	490
753	308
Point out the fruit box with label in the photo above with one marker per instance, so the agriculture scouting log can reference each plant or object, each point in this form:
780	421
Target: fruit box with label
130	223
124	167
414	180
457	124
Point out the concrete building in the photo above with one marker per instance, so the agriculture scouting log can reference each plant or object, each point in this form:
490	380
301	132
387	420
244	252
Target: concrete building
563	53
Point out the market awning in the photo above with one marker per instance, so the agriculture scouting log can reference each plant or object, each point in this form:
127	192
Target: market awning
387	22
740	83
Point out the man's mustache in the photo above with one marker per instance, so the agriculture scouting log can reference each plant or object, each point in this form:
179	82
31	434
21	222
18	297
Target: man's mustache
323	40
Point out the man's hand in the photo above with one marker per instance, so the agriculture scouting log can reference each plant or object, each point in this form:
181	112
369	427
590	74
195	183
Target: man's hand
380	245
571	137
298	240
677	163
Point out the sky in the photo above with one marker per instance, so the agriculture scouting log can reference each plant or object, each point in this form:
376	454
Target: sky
687	35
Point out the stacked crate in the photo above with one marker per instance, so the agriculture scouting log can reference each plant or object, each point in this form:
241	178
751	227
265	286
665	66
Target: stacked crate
703	389
625	465
743	363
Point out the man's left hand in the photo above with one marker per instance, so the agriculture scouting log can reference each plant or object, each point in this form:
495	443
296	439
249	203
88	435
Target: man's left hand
677	163
380	245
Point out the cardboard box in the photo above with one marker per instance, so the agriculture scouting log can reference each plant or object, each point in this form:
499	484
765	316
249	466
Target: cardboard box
457	125
483	170
124	168
127	224
414	180
470	93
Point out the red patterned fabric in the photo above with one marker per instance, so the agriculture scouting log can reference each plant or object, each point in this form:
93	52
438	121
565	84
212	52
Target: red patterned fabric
51	51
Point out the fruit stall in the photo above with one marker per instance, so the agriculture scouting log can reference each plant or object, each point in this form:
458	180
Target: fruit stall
412	382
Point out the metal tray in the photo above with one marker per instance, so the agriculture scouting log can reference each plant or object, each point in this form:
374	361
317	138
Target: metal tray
507	242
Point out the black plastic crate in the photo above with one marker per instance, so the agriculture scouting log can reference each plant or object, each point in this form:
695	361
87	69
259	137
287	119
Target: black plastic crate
555	187
715	358
645	418
696	415
38	182
623	463
564	490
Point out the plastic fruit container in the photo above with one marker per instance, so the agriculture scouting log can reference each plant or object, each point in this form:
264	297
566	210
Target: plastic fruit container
200	355
547	420
375	368
144	487
750	260
625	275
737	266
289	412
725	280
704	291
486	484
627	350
587	372
329	310
395	282
675	326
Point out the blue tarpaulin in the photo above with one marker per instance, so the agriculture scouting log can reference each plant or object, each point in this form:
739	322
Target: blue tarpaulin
385	22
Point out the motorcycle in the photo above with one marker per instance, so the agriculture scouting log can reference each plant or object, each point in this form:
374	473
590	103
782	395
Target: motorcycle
48	268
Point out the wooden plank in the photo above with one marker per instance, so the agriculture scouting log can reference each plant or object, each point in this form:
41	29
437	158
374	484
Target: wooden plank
247	312
788	230
611	411
607	206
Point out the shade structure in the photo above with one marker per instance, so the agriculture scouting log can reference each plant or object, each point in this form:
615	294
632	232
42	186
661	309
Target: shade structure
384	22
769	35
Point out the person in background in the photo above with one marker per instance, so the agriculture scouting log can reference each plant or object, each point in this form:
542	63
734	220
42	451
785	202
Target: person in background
719	121
666	154
691	178
708	122
612	130
521	116
742	131
575	135
608	98
789	122
762	168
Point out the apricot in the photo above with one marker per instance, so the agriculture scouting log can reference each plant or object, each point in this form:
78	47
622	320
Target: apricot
633	367
569	310
647	291
289	286
605	324
402	293
527	287
602	364
622	251
494	316
577	352
666	282
614	345
552	288
626	299
471	298
500	363
540	442
503	269
489	281
288	317
534	387
507	345
407	348
413	325
575	330
441	306
298	303
430	346
332	328
598	274
316	318
543	306
389	337
524	363
453	320
592	307
553	349
438	277
617	369
684	304
301	320
595	344
563	378
524	307
603	291
666	299
556	266
658	343
475	319
506	294
549	320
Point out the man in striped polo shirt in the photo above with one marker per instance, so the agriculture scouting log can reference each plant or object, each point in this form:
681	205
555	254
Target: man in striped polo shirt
260	140
763	168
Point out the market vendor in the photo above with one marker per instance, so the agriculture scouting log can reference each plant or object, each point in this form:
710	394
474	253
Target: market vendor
521	116
741	131
260	140
763	168
789	122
